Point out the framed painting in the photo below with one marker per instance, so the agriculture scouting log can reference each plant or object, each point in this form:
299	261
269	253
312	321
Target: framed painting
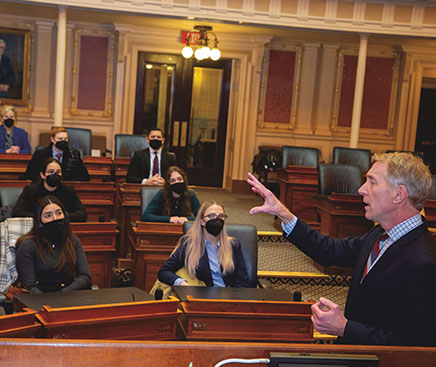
14	66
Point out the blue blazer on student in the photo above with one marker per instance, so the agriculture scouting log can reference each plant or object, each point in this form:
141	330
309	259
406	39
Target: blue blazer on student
19	137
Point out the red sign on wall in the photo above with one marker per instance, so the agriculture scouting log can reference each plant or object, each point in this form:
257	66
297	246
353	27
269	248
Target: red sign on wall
193	37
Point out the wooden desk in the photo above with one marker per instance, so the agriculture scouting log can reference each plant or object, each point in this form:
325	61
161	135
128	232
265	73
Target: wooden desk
151	245
242	320
13	166
98	241
99	168
104	314
54	353
342	215
130	209
97	197
298	186
19	325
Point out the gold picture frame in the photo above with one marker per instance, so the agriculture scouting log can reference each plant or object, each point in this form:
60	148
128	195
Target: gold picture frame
15	66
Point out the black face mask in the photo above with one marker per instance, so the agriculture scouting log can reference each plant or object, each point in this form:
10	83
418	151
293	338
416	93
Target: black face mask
55	230
53	180
155	144
62	145
214	226
9	122
178	188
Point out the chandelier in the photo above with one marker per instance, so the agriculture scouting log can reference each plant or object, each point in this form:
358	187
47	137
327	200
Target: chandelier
203	42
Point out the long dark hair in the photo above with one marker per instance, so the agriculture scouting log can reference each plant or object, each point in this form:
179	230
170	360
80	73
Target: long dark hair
38	234
185	203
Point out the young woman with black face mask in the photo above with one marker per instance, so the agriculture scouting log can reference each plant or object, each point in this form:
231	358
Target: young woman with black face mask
50	258
207	253
12	139
174	203
51	184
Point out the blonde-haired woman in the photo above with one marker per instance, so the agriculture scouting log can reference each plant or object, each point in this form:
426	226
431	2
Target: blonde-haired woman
207	253
12	138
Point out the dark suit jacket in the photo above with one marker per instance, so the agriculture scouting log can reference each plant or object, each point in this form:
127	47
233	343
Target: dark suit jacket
73	168
238	278
19	137
139	167
395	303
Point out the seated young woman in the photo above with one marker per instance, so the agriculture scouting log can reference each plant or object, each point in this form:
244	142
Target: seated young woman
174	203
207	253
50	258
51	177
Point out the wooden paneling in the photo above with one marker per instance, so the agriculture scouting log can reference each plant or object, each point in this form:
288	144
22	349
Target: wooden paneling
28	353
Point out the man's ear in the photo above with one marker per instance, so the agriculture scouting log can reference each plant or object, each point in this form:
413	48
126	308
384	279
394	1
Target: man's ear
163	141
401	194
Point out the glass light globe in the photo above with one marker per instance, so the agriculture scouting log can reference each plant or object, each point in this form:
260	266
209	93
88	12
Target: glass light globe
215	54
206	52
187	52
199	53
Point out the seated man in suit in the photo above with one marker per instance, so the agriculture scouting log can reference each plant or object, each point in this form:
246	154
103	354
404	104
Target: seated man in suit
392	295
148	166
73	168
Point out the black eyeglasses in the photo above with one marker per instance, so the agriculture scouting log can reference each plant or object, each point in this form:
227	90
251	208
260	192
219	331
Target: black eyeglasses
214	216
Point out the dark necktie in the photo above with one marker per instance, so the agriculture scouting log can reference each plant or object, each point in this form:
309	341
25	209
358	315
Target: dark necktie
58	156
155	164
374	253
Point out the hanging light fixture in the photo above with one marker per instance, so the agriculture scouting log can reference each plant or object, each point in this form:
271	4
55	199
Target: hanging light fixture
203	50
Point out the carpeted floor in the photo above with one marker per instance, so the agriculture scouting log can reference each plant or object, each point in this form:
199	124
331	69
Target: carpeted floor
274	252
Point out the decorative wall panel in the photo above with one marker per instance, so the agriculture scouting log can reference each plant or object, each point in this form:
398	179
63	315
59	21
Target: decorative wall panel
93	73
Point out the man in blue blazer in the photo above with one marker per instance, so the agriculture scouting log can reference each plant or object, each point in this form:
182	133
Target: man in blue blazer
392	295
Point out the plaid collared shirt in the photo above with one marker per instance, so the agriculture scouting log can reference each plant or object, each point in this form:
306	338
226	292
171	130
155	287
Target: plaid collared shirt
396	233
10	230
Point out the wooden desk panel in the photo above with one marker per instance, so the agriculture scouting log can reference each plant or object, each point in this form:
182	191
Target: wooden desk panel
152	244
98	241
54	353
298	186
146	320
99	168
19	325
121	166
242	320
13	166
130	209
97	197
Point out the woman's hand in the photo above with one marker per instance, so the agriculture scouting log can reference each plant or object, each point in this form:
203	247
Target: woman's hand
179	220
